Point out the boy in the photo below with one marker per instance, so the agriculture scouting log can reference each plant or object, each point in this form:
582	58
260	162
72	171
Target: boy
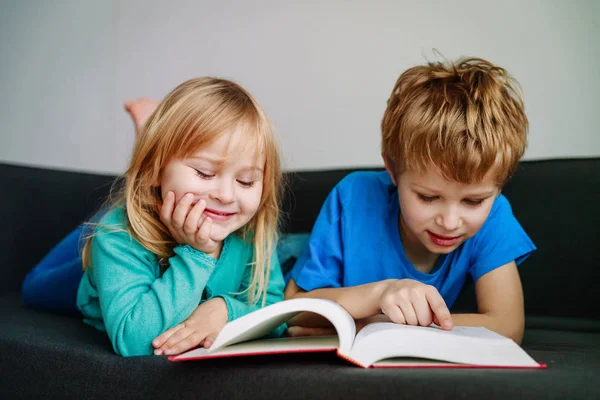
401	242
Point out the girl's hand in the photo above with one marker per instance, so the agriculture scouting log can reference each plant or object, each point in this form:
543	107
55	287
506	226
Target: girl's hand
411	302
187	224
200	329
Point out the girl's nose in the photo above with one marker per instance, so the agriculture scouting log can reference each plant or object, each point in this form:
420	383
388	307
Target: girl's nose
223	192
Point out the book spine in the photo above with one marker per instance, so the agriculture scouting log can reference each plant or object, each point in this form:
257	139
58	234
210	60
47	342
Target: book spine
353	361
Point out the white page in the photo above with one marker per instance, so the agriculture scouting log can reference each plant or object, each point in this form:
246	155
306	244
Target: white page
264	320
268	346
465	345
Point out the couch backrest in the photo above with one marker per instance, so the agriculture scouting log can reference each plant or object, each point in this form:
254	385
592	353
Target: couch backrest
556	201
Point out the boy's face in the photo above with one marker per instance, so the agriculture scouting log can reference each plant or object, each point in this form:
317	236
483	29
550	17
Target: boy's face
437	215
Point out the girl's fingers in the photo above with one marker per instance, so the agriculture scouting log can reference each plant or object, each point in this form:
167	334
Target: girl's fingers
177	337
210	339
163	337
203	234
192	220
189	342
181	210
166	210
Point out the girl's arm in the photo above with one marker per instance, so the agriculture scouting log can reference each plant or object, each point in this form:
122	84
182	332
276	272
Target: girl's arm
209	318
237	305
137	303
499	303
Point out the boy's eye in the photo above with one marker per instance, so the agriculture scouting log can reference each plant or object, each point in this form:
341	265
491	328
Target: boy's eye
473	202
427	199
246	184
203	175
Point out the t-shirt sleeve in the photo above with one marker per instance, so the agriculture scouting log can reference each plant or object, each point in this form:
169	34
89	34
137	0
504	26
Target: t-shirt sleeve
501	240
321	263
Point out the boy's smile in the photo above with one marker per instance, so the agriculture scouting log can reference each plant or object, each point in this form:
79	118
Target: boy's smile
437	215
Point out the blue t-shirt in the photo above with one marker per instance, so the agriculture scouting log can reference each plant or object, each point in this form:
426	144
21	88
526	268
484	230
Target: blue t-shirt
355	241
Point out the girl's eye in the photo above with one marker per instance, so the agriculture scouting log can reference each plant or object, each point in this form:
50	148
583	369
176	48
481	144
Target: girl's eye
203	175
246	184
473	202
427	199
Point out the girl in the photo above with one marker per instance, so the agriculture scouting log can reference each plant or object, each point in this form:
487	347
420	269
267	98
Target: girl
188	243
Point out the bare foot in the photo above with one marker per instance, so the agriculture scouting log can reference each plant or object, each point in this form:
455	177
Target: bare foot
140	110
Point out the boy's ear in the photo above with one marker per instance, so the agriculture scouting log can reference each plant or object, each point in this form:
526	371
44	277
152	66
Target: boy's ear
390	168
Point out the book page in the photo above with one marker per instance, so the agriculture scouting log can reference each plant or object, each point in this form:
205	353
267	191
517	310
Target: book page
264	320
304	344
463	345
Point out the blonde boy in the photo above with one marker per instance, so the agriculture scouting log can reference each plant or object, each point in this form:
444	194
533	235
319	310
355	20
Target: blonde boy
402	242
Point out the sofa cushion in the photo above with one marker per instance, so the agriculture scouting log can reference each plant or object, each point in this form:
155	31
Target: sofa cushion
46	355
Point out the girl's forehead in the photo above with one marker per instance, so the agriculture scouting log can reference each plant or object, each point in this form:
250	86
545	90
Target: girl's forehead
232	148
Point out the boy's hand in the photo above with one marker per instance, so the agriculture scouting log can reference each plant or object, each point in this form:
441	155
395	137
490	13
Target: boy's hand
411	302
187	224
200	329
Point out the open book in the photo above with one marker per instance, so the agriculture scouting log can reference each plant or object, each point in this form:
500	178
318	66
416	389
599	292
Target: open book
381	344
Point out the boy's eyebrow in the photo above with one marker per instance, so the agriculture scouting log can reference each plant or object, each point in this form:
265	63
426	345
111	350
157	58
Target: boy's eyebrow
480	194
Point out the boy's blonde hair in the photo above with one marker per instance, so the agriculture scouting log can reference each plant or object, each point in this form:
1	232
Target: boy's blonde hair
191	116
465	119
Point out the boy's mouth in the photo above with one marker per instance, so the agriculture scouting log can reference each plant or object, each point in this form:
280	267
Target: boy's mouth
443	241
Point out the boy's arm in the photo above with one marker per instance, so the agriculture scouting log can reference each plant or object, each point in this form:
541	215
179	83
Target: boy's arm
360	301
499	302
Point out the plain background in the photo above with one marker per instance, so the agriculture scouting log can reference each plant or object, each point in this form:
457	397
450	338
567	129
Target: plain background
323	70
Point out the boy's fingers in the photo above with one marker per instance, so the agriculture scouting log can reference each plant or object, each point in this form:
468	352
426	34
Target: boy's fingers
423	311
410	316
439	308
395	314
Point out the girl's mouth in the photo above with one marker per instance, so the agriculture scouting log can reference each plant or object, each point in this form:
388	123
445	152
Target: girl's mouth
218	215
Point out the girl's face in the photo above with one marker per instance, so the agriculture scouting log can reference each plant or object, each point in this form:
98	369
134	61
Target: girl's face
231	183
437	215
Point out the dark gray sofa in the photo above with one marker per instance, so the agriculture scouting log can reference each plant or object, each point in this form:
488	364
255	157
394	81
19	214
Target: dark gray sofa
45	355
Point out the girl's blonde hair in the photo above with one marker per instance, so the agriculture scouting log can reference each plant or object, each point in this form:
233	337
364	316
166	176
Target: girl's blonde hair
190	117
464	118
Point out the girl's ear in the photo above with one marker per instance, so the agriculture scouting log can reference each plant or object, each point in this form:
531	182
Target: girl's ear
389	167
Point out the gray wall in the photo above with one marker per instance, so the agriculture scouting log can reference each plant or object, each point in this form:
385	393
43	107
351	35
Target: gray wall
322	69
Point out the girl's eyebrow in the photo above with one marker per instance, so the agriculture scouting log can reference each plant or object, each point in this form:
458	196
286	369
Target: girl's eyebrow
220	161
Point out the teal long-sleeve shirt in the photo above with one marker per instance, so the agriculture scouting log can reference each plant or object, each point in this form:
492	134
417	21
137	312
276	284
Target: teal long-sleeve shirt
125	293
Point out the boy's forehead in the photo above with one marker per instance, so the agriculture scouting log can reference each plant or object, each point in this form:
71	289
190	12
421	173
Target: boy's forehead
432	177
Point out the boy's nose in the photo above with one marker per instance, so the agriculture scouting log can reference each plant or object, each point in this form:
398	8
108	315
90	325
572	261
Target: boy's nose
449	219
